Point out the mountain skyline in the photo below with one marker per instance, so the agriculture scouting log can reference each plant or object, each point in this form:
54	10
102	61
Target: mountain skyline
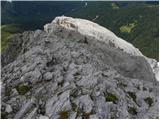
136	22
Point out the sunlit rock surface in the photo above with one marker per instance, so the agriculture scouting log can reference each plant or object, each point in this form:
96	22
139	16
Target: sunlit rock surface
77	69
88	28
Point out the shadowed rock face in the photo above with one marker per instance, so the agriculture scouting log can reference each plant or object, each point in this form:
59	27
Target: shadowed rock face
62	73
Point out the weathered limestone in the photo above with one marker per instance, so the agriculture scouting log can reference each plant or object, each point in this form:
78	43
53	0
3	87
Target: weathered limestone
77	69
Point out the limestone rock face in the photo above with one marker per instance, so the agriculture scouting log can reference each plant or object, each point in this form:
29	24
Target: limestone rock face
77	69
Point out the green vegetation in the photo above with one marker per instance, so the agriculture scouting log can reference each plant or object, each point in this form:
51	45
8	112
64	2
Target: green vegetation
149	101
74	93
6	32
119	17
129	22
74	107
132	95
23	89
111	98
11	28
4	115
132	110
4	38
86	115
63	114
127	28
114	6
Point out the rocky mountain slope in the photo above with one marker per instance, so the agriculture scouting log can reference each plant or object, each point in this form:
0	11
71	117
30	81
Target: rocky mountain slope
77	69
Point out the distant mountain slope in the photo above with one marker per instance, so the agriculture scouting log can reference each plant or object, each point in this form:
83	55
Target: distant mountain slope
136	22
34	14
18	16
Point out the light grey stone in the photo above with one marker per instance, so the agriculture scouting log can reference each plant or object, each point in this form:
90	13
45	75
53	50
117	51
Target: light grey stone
86	103
48	76
78	73
58	104
32	114
8	109
33	76
43	117
24	109
73	115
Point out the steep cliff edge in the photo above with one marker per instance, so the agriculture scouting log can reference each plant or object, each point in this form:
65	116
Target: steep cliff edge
88	28
76	69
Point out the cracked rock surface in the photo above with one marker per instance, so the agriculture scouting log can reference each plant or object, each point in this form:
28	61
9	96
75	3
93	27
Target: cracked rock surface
62	73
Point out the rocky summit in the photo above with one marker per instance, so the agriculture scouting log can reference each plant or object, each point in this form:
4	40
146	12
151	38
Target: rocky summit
76	69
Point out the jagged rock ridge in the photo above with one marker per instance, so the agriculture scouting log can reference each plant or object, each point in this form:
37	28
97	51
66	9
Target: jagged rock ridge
72	70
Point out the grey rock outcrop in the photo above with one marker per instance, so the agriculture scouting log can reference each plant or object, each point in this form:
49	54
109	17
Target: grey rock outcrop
62	73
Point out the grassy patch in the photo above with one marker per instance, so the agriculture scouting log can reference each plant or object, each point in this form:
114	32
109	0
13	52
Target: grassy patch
4	115
114	6
149	101
74	107
23	89
11	28
86	115
6	32
127	28
83	114
63	115
132	95
4	39
111	98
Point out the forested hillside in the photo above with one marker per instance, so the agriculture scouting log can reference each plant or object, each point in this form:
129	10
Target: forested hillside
135	22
